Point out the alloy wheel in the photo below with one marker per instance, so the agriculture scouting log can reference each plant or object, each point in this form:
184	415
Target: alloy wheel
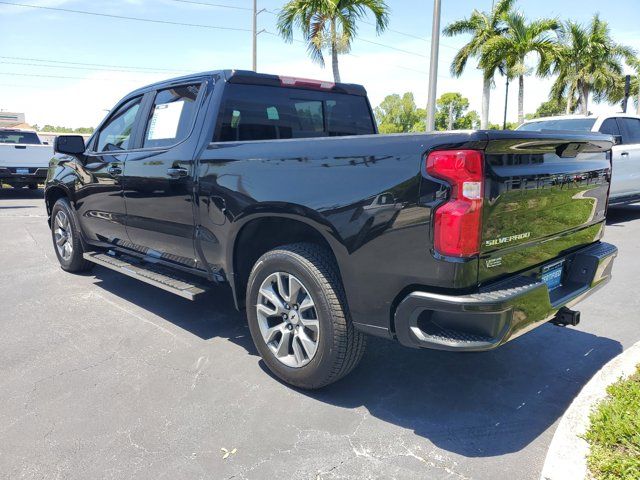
63	236
288	319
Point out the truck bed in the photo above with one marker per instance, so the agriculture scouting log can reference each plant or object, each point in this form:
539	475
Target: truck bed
545	194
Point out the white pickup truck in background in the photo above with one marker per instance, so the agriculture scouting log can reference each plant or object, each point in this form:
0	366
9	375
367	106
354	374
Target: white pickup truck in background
625	154
24	158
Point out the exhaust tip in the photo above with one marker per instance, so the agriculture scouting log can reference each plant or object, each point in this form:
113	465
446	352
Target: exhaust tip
565	317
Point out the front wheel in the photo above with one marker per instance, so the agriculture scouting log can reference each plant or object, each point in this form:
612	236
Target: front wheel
66	238
298	317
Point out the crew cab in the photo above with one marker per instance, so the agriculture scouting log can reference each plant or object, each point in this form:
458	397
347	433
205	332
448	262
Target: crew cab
625	180
24	158
327	231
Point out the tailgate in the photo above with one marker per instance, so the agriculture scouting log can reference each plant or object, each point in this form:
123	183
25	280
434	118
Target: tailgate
25	155
545	195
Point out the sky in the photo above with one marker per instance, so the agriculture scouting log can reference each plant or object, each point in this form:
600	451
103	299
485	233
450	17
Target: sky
44	53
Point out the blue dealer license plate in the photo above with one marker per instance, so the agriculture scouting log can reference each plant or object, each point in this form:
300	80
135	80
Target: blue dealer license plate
22	171
552	275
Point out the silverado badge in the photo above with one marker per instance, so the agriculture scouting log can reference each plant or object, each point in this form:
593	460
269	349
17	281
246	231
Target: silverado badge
512	238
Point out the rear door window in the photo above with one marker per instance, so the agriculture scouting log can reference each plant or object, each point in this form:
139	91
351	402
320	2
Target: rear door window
171	116
253	112
630	130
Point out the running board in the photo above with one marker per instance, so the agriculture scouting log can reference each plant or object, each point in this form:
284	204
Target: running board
150	273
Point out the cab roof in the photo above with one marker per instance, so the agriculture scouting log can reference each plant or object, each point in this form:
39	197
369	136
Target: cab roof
248	77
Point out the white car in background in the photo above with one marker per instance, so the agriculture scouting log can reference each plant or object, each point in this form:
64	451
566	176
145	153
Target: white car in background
625	181
24	158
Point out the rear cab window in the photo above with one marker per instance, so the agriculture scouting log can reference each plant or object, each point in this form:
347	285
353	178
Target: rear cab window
569	125
16	137
254	112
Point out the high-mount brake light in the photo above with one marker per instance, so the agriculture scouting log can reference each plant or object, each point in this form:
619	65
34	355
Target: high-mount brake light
458	222
307	83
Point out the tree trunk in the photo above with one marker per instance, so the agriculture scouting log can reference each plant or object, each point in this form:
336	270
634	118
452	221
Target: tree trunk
638	110
569	101
334	52
486	98
521	100
585	99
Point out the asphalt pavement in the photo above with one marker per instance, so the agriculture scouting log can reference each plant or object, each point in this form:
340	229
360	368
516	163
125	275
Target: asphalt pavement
103	377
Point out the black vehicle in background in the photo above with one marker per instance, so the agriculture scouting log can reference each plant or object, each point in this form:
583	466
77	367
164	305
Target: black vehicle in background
327	231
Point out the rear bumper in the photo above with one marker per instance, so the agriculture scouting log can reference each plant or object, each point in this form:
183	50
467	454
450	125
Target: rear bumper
32	174
497	314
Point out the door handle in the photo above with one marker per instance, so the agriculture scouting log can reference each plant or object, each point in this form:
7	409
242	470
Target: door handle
624	154
114	170
178	172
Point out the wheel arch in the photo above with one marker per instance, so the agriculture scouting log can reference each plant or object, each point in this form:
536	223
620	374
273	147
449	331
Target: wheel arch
54	193
258	234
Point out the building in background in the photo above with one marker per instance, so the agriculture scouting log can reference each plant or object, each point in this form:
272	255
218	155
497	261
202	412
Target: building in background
13	120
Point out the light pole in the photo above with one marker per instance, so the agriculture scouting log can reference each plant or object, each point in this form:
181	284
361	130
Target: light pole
255	34
433	71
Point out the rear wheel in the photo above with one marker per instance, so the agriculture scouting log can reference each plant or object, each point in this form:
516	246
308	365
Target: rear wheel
33	186
298	317
66	238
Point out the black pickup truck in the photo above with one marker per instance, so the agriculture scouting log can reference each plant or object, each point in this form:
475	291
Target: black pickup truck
327	231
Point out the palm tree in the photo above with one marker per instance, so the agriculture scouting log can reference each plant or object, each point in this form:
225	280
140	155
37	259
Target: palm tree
482	26
329	25
519	40
617	93
588	62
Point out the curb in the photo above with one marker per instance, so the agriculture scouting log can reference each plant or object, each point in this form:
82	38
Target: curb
567	455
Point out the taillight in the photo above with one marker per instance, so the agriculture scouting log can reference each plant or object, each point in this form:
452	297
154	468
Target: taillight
458	222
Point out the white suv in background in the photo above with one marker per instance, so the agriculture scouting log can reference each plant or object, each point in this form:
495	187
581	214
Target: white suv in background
625	181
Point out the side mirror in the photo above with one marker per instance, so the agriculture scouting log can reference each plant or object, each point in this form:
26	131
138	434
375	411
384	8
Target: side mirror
69	144
617	139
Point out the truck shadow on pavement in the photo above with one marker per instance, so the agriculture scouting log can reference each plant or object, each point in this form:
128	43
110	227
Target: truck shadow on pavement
20	194
471	404
623	214
476	404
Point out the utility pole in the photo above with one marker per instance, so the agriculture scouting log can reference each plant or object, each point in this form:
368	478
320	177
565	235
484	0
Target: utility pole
450	127
255	34
433	71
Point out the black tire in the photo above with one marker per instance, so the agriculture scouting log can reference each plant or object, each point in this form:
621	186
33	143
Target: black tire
75	262
339	346
33	186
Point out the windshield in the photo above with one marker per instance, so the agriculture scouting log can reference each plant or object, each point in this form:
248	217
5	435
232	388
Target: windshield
568	124
29	138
